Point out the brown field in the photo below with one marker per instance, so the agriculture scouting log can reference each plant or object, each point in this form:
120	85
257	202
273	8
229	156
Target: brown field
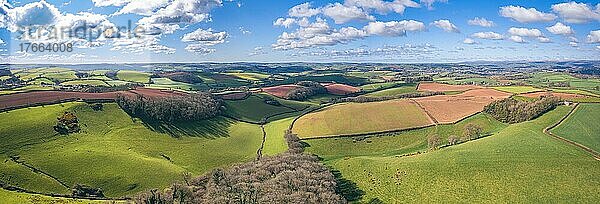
341	89
560	95
46	97
281	90
445	87
453	108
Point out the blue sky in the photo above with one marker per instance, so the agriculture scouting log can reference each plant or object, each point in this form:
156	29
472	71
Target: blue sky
313	31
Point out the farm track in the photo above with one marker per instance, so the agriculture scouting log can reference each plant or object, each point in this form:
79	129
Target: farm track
36	170
583	147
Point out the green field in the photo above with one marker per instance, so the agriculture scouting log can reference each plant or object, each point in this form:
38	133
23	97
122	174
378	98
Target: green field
119	154
133	76
275	142
520	164
253	109
544	79
354	118
16	197
91	82
404	88
397	143
379	86
582	126
517	89
166	83
249	76
475	80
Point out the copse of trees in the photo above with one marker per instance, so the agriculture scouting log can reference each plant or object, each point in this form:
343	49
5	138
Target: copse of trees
67	123
291	177
367	99
192	107
514	111
308	89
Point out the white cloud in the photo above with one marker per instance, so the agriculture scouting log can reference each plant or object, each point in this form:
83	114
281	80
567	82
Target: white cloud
481	22
594	36
573	39
469	41
429	3
343	14
181	12
573	44
285	22
205	37
560	29
517	39
142	7
525	32
303	10
102	3
544	39
574	12
140	45
446	25
383	7
598	47
32	14
488	35
393	28
524	15
320	33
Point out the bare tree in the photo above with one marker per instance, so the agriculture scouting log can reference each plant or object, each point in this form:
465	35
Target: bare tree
433	141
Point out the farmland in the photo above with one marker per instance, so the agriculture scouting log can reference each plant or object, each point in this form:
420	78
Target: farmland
581	126
518	89
361	118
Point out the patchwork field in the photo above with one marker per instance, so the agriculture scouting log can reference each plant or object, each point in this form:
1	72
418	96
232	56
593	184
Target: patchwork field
240	109
115	152
439	87
507	167
133	76
452	108
582	126
341	89
358	118
280	91
404	88
518	89
556	94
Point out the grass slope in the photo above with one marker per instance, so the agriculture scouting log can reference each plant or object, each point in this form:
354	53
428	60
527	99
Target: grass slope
405	88
398	143
353	118
134	76
253	109
119	154
518	165
16	197
582	126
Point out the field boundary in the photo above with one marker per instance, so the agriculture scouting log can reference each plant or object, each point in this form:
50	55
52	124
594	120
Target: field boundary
548	129
435	122
22	190
369	133
36	170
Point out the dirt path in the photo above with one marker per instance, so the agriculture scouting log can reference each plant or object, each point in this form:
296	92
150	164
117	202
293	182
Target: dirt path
583	147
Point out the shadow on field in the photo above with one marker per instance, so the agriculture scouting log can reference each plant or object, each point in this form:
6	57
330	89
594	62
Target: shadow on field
347	188
209	129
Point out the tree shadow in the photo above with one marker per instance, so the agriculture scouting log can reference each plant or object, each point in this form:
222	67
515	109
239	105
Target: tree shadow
210	129
347	188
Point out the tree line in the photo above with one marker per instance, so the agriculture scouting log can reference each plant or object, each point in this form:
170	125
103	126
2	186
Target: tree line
291	177
192	107
307	89
514	111
366	99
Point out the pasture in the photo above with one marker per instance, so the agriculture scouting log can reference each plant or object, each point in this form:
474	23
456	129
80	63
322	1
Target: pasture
358	118
253	109
402	89
133	76
582	126
439	87
116	152
517	89
519	164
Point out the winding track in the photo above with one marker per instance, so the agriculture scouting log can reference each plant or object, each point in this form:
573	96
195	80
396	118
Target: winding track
583	147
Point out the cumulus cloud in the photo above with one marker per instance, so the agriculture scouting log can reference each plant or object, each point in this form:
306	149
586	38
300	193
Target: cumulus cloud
180	12
525	32
103	3
429	3
142	7
544	39
303	10
142	44
320	33
488	35
560	29
393	28
383	7
446	25
517	39
594	36
285	22
524	15
33	14
573	12
202	40
573	44
469	41
343	14
481	22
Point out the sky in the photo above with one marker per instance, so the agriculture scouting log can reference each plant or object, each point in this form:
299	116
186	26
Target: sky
386	31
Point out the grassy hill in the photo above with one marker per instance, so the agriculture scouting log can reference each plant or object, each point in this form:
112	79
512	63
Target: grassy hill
582	126
404	88
518	165
120	154
254	108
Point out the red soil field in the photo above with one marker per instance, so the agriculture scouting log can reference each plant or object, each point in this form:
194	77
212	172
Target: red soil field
453	108
445	87
341	89
560	95
45	97
281	90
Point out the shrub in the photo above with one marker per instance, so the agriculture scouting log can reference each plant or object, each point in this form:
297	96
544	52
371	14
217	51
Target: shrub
67	123
80	190
472	131
433	141
453	139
